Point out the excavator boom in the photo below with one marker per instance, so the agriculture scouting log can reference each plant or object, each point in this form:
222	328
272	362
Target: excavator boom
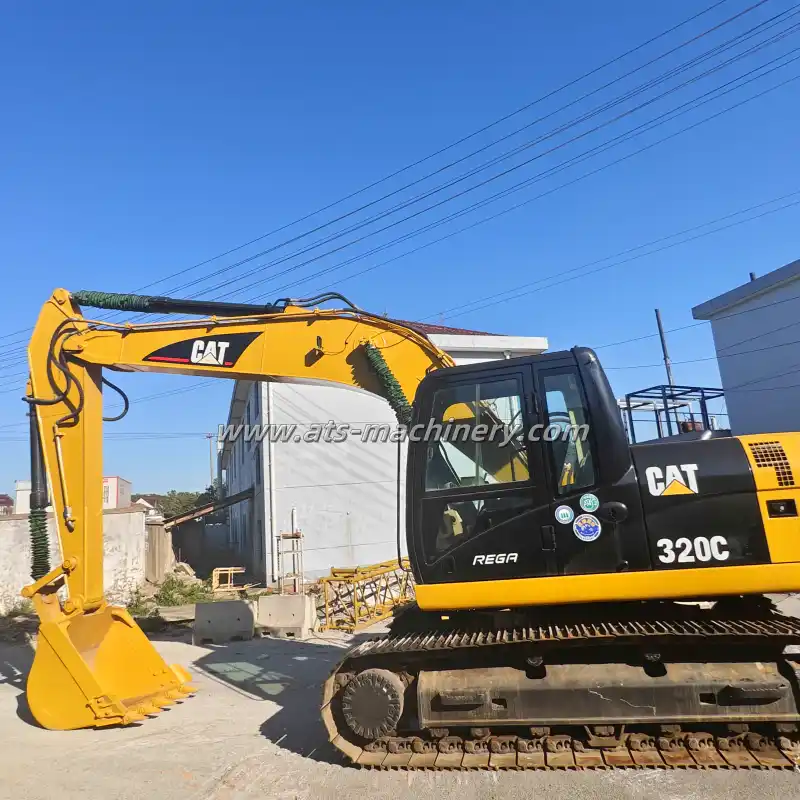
93	664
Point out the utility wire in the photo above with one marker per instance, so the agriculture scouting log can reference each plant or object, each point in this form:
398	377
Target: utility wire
472	135
662	248
518	187
259	268
551	171
637	257
522	204
572	123
658	58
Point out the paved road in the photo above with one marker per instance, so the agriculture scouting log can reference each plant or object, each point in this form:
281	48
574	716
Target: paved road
253	732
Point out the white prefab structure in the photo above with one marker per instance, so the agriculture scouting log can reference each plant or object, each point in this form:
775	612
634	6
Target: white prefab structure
345	493
757	339
116	492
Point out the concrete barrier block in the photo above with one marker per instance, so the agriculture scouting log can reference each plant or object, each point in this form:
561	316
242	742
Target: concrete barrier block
290	616
226	621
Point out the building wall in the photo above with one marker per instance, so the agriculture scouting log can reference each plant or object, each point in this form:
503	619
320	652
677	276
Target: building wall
762	388
245	469
22	497
344	494
123	549
116	492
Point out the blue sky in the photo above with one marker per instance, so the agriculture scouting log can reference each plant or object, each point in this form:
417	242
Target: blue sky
142	138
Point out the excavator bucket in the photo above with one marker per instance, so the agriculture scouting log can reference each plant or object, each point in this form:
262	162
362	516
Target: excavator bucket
98	668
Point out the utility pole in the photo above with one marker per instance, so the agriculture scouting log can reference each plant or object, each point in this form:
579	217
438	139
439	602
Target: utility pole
210	437
667	362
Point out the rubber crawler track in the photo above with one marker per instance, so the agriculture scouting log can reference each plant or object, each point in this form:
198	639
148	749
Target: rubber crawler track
688	749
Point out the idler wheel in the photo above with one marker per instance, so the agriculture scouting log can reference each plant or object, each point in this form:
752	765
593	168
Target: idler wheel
372	703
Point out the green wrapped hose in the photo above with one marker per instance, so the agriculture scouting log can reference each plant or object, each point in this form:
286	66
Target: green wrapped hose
391	387
40	545
113	300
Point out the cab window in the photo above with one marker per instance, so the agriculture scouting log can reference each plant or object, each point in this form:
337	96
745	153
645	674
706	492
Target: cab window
567	433
476	436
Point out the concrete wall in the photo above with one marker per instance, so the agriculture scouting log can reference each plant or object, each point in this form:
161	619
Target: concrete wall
159	556
762	388
123	550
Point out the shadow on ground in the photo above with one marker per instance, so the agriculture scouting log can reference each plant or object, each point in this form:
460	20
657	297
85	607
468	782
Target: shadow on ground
289	673
15	664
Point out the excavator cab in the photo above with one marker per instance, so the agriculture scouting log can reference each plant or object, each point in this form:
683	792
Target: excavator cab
512	448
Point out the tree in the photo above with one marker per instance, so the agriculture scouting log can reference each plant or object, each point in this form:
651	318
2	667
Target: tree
211	494
175	503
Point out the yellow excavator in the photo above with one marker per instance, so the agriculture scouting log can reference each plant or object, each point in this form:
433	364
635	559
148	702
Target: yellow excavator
580	602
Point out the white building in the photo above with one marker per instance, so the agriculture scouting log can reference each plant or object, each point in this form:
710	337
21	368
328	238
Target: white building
345	493
757	339
116	492
22	497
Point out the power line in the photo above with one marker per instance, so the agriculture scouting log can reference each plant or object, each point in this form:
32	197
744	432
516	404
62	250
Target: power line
483	182
468	137
503	194
551	171
714	357
509	209
723	316
650	253
643	255
608	266
511	292
610	104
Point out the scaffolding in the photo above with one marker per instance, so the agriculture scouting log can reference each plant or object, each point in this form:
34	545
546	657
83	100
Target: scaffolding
290	563
358	597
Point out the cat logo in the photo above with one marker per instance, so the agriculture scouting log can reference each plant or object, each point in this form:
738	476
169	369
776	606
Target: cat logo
209	352
672	480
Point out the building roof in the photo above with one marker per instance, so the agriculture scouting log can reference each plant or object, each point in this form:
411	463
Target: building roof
426	328
5	500
769	282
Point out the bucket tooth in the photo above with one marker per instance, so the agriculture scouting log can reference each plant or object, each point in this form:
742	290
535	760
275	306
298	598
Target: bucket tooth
187	689
148	709
131	717
162	701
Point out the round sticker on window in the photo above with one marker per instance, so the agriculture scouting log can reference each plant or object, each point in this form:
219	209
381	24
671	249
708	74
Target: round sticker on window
587	528
564	515
590	503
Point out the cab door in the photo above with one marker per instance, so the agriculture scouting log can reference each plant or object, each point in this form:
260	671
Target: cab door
480	498
597	517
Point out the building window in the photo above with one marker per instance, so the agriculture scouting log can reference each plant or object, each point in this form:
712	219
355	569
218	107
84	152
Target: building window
256	399
257	457
105	493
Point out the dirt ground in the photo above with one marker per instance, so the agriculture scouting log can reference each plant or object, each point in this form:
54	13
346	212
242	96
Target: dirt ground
253	731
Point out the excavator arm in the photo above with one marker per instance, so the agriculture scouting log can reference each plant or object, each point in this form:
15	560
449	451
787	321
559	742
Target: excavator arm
93	664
